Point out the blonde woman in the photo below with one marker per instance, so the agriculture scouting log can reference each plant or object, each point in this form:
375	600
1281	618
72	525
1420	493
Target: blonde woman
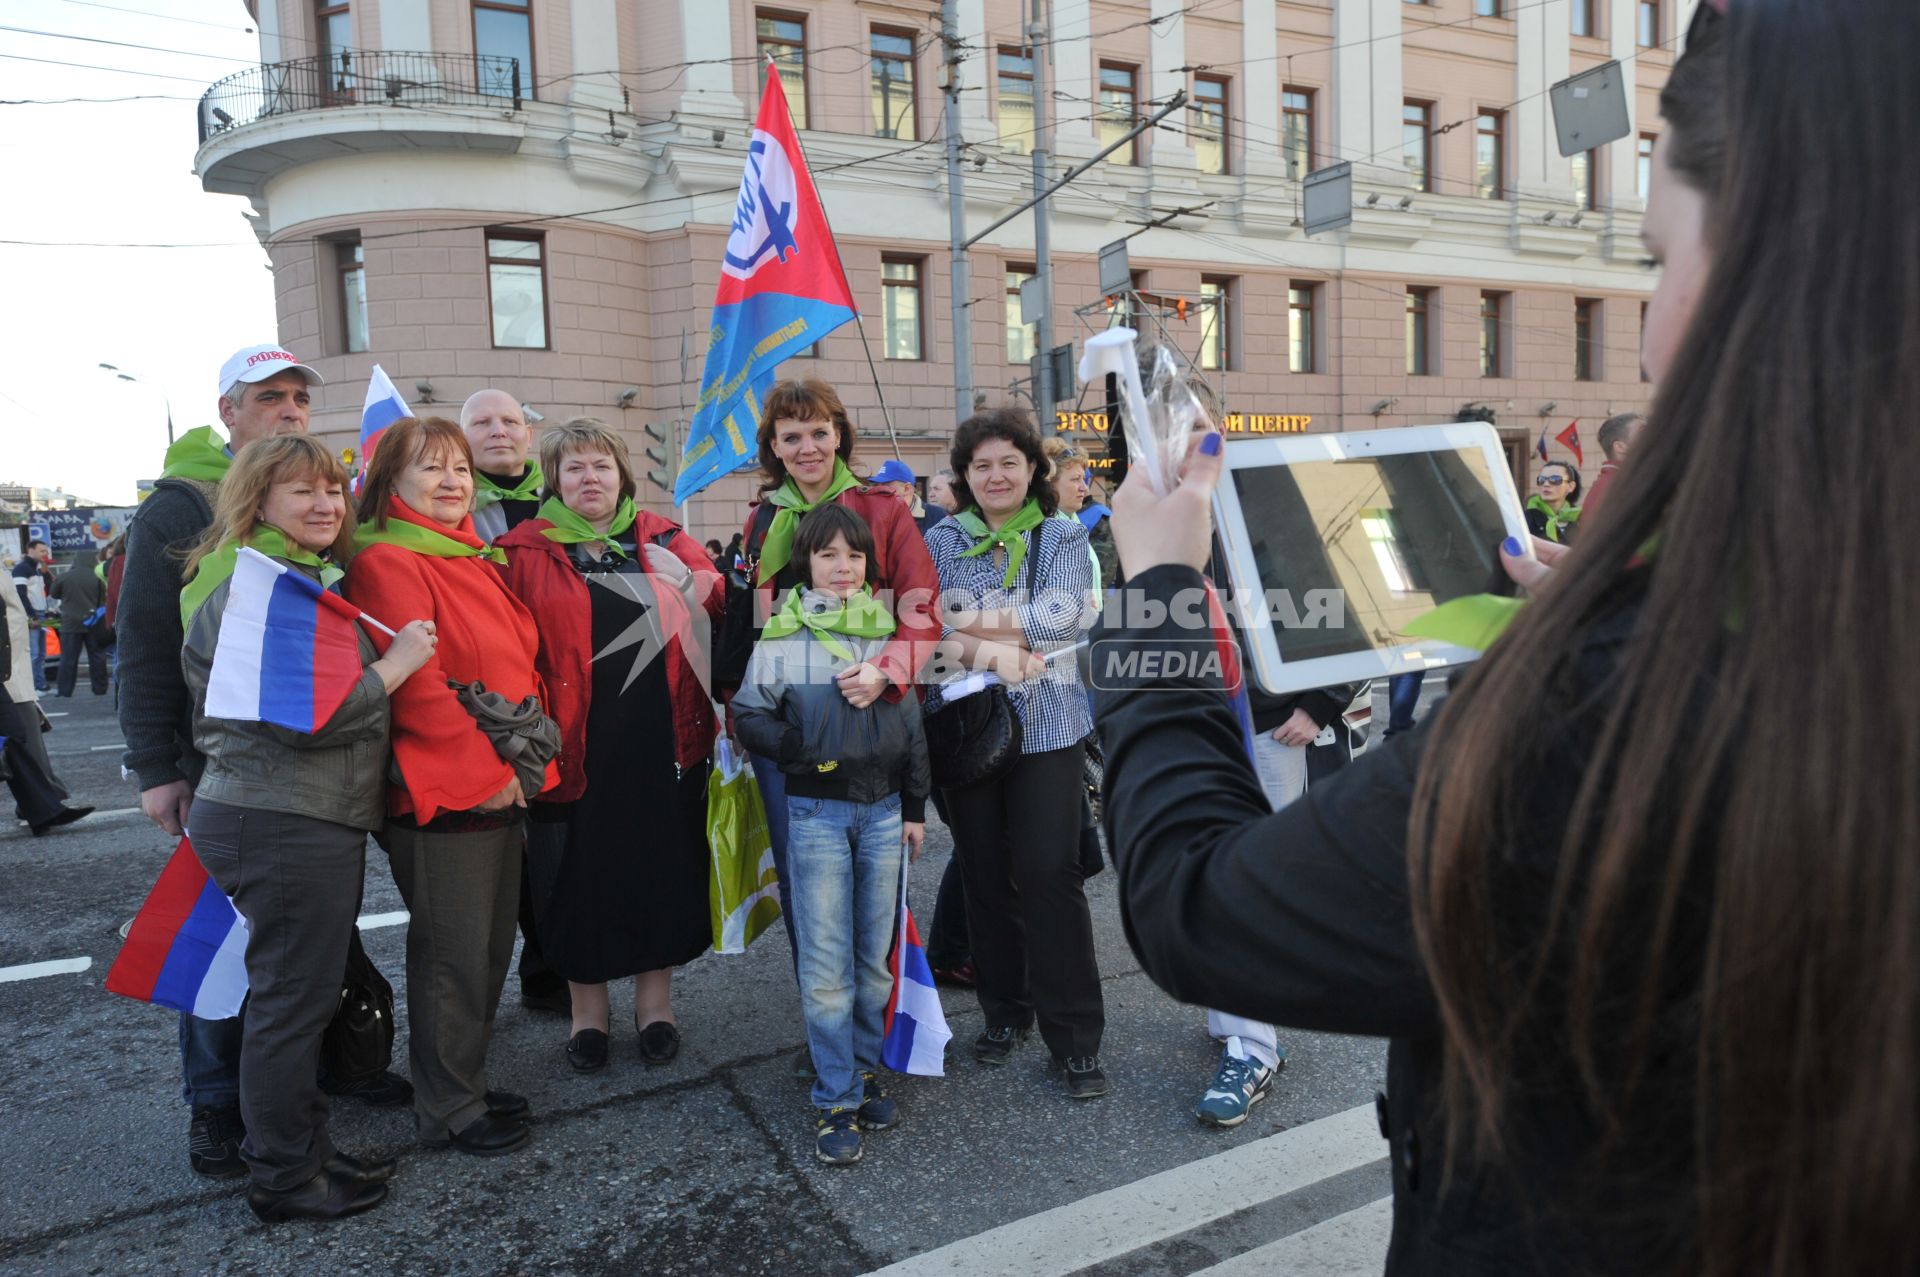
280	820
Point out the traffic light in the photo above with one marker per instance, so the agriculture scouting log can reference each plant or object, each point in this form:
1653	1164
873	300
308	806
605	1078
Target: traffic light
660	453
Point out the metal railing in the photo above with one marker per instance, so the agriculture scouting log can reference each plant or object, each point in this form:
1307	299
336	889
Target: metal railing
359	77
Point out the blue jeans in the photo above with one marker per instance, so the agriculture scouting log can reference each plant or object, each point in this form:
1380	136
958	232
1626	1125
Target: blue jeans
210	1059
1403	697
39	659
846	861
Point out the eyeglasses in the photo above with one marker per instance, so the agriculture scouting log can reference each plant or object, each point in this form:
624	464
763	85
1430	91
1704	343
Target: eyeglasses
1549	481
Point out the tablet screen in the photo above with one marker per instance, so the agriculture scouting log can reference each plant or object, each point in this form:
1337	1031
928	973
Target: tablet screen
1396	535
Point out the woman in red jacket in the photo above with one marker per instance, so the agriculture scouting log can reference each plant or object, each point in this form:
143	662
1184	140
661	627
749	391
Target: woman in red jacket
453	828
806	445
617	850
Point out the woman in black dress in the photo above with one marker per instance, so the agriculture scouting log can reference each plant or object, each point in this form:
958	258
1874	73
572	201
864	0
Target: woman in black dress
617	851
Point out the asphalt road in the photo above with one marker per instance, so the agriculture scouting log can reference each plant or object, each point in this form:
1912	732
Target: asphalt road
701	1166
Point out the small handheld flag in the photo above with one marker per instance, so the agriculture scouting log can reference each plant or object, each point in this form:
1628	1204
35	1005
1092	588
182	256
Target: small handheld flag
916	1026
187	947
287	653
1570	439
781	290
1541	447
384	406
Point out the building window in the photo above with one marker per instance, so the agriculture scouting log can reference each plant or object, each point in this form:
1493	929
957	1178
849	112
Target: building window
1489	155
1649	23
1643	342
1585	180
517	290
1116	113
1643	171
1583	17
1419	331
1016	100
1486	8
1296	131
1586	321
1022	339
1493	314
334	25
893	105
1416	143
1300	299
351	262
504	29
783	37
1208	130
900	306
1216	324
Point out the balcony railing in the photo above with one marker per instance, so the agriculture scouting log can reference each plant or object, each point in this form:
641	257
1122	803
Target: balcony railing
359	77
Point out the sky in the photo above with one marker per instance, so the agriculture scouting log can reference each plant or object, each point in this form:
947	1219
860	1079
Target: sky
119	173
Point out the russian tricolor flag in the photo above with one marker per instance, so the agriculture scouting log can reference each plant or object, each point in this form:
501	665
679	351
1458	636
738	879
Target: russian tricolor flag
288	651
187	948
384	406
917	1034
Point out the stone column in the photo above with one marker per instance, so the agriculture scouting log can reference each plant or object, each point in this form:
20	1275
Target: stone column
707	32
1073	76
1542	56
976	72
1366	84
1623	172
1258	123
1166	53
596	55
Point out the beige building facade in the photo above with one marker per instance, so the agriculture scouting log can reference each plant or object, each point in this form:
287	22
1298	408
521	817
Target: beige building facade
534	194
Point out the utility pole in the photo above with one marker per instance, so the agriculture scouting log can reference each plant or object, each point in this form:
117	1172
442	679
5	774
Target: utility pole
1040	47
957	218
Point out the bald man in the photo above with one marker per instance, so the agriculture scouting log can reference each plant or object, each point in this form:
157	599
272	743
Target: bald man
506	484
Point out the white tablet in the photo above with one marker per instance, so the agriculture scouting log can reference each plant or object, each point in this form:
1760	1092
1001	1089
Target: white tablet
1335	541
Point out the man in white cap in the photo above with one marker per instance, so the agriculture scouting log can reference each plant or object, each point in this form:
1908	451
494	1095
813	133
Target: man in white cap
506	485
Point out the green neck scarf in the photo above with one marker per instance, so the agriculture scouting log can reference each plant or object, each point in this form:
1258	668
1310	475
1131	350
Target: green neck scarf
777	549
218	566
1025	519
1556	519
199	454
570	528
859	616
421	539
487	490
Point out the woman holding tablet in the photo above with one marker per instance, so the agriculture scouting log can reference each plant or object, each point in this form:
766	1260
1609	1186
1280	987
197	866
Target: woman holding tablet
1653	989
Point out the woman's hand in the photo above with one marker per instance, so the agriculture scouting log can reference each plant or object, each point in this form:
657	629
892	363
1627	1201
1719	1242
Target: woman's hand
1150	530
1299	729
913	836
511	796
1531	573
861	684
667	565
1015	665
411	648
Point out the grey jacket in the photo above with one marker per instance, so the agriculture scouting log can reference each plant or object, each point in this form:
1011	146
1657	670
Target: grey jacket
790	709
336	773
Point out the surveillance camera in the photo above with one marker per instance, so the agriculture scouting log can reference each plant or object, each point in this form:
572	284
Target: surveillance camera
719	136
425	390
532	415
627	397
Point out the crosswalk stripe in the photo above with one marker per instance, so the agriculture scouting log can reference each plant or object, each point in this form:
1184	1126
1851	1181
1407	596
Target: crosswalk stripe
1120	1220
34	970
1349	1245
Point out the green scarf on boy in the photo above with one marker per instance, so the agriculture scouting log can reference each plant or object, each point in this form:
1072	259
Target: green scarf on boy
860	615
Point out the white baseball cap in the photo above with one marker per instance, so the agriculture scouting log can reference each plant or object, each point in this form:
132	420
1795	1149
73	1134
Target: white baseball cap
257	363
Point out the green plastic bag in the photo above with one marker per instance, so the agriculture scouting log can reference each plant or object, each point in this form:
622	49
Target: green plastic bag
743	891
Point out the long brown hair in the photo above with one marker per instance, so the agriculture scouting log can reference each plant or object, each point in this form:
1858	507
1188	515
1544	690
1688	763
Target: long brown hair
809	400
403	443
1730	945
256	468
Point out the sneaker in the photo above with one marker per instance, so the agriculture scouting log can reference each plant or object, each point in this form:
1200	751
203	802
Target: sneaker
877	1112
837	1137
1084	1078
213	1141
994	1047
1237	1086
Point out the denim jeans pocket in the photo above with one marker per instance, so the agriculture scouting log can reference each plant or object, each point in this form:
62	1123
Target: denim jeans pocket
891	804
805	808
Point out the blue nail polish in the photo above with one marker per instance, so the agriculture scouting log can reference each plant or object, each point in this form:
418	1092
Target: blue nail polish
1513	547
1211	444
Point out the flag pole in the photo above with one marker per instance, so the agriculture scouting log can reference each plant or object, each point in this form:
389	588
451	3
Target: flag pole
859	320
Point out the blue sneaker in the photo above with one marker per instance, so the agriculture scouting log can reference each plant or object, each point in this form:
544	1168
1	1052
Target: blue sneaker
1238	1085
836	1138
876	1111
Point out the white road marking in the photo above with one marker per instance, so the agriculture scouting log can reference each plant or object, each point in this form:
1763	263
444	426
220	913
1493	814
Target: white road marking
374	921
58	713
101	749
1349	1245
34	970
1121	1220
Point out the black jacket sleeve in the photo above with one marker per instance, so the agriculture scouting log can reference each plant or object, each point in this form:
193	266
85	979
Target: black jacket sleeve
919	782
1298	917
155	708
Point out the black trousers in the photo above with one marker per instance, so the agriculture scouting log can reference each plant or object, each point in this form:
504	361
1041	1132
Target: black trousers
34	790
1018	840
99	669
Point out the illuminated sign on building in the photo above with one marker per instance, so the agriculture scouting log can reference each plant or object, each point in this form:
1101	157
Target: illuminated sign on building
1235	423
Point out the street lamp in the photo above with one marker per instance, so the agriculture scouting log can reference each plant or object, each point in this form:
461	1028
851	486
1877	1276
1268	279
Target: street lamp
125	376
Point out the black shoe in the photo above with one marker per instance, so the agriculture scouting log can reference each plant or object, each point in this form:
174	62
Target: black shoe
587	1051
66	817
557	1001
995	1046
1084	1078
213	1141
382	1090
507	1104
486	1136
659	1042
325	1196
368	1170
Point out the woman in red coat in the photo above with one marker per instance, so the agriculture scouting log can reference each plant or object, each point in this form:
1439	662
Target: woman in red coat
617	850
453	829
806	444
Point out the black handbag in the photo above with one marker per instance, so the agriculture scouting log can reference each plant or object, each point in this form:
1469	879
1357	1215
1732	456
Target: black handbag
358	1042
739	629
